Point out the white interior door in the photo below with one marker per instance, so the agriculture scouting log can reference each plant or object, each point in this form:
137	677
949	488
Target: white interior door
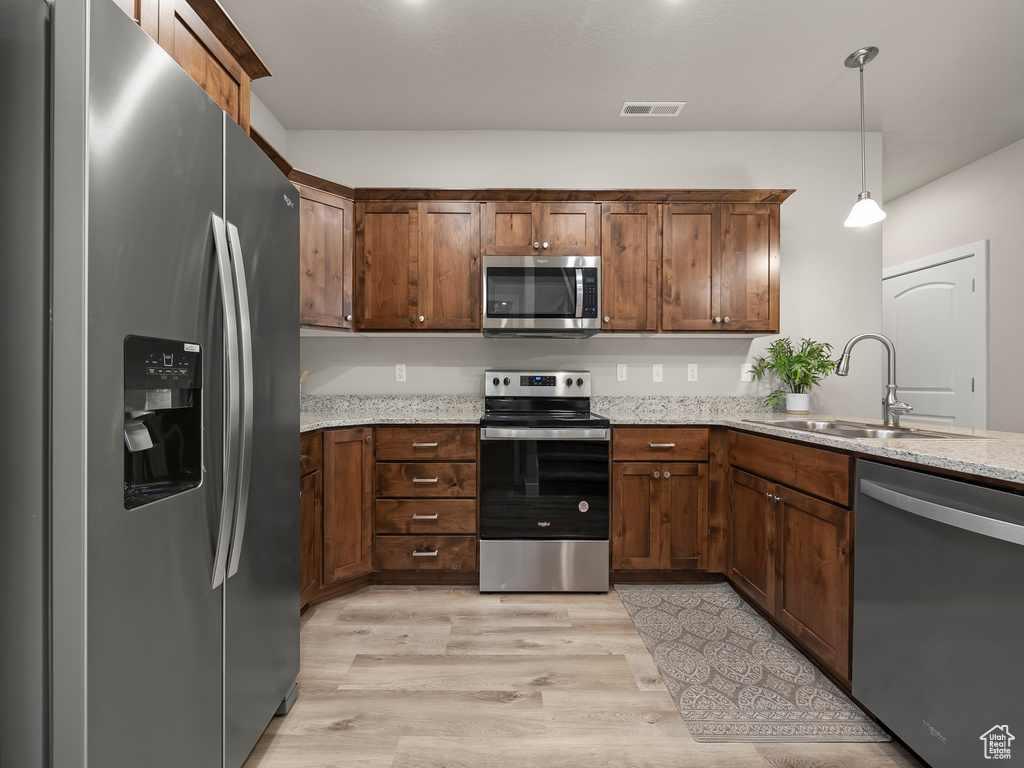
935	310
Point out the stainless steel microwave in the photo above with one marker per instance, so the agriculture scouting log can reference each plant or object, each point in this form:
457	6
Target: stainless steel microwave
544	296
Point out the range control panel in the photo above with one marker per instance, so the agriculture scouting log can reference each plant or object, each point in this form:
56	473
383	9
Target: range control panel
161	364
537	383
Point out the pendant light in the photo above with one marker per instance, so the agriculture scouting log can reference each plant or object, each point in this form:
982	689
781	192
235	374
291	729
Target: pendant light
865	211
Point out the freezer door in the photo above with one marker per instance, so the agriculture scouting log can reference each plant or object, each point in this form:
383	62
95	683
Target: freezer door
262	614
155	623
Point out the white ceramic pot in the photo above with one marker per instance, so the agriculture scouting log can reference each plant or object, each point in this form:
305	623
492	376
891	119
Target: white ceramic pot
798	405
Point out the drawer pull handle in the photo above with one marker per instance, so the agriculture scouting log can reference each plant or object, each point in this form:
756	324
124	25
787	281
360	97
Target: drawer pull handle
424	479
425	517
424	445
662	445
424	554
303	457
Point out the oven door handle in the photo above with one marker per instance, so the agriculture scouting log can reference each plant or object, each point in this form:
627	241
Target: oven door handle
544	433
579	293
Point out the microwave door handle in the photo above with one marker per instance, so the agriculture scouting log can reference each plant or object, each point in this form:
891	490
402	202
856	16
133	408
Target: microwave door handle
245	453
232	405
579	293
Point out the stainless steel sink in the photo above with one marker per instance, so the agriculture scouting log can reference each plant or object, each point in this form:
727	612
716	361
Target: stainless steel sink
861	431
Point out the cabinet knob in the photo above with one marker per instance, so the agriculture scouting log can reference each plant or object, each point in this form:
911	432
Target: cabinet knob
412	318
718	319
536	246
667	474
348	318
727	319
657	474
421	318
607	319
369	438
545	246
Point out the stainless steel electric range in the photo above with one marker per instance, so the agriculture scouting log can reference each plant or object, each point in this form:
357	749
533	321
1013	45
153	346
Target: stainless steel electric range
544	472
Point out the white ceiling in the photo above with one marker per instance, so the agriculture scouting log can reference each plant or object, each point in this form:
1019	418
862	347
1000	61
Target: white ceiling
946	89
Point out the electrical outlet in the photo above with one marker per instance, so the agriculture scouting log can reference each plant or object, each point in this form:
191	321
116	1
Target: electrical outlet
657	373
747	372
400	372
620	372
691	372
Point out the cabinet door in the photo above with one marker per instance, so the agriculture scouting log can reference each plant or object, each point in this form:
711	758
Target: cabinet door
510	228
813	567
629	266
636	521
683	504
570	229
325	259
690	265
749	272
310	536
387	245
448	269
348	504
752	531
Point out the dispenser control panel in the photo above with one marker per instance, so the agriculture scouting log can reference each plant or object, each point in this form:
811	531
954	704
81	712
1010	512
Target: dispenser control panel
161	364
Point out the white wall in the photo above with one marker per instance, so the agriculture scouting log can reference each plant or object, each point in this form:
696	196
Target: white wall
830	274
269	127
981	201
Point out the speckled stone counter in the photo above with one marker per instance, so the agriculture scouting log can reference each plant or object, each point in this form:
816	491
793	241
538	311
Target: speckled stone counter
1001	457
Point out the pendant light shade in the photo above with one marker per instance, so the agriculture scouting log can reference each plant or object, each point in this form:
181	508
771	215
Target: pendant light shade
865	211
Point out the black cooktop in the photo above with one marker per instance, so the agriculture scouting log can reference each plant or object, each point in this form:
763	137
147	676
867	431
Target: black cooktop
547	419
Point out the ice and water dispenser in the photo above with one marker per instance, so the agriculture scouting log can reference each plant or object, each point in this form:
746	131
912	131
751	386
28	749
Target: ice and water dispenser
163	425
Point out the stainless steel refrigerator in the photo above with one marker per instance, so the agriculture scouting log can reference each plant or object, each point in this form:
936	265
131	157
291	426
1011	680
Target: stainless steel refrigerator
149	295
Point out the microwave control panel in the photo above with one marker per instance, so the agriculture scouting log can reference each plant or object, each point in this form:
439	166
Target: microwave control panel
589	292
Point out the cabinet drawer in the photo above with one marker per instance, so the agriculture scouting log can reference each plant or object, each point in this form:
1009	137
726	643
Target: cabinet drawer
426	444
821	473
426	516
657	444
425	480
311	452
426	553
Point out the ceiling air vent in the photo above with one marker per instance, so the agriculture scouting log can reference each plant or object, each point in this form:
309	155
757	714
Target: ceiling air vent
652	108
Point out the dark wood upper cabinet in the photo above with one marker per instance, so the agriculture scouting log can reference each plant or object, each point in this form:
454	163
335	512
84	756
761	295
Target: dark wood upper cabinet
720	267
556	229
202	39
418	266
448	269
348	504
630	247
748	276
325	259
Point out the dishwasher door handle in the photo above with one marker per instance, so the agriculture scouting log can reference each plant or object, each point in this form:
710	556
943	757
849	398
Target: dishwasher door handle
939	513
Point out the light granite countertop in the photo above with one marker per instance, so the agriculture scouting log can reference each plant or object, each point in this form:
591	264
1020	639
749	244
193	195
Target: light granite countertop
1001	457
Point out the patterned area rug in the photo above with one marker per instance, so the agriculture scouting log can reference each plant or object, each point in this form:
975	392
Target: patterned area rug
732	676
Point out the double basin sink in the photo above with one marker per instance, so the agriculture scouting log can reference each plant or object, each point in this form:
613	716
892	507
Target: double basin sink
862	431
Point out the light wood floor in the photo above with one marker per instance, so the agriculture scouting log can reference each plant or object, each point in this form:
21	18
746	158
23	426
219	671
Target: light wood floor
407	677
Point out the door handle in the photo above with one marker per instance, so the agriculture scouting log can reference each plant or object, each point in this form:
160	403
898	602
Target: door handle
579	290
233	401
939	513
245	454
424	479
424	517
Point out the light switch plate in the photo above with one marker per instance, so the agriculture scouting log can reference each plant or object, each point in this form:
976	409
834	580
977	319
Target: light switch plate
657	373
691	372
746	372
620	372
400	372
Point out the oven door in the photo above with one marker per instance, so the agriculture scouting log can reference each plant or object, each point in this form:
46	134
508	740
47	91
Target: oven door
544	484
549	295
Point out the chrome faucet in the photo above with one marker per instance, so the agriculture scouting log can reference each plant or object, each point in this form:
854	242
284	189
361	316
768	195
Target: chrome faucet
892	407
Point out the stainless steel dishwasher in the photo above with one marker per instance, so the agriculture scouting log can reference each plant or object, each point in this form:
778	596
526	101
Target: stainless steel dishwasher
938	623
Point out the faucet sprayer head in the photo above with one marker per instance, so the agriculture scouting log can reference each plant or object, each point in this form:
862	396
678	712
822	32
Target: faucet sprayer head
843	364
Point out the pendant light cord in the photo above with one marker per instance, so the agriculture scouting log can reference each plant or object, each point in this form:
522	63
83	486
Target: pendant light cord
863	156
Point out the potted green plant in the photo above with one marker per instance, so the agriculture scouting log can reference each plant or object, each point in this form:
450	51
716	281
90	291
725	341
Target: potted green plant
796	370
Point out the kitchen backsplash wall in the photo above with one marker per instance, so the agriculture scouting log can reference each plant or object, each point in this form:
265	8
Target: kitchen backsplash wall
831	285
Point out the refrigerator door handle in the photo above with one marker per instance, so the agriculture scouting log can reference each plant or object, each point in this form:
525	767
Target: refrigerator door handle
231	382
245	453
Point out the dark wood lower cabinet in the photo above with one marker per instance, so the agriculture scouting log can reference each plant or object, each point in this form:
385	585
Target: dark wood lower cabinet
310	536
790	554
348	504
